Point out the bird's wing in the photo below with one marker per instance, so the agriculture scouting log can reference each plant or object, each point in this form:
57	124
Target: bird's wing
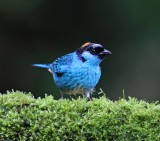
62	64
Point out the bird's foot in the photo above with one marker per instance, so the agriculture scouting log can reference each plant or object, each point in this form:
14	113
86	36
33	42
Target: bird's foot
62	97
89	96
89	99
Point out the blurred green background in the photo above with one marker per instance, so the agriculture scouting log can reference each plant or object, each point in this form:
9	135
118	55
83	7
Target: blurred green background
39	31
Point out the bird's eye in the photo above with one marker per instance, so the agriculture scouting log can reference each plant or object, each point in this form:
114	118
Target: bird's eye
93	51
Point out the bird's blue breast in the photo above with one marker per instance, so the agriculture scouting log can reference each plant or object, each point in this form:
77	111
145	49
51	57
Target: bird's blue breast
76	77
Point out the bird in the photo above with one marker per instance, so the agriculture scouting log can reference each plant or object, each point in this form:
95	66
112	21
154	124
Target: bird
78	72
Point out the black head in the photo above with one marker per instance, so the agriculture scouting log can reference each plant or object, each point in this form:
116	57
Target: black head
94	49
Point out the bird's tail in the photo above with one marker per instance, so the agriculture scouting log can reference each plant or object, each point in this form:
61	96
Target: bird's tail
46	66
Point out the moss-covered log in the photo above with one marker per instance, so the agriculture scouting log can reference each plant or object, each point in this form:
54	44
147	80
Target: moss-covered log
23	117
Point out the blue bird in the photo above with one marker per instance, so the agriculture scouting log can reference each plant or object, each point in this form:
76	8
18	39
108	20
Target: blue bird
78	72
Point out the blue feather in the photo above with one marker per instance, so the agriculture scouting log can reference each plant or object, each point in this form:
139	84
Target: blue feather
46	66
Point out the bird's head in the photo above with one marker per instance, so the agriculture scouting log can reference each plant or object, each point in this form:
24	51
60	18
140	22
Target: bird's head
92	52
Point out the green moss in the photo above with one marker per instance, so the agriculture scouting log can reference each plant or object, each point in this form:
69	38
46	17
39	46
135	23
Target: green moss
22	117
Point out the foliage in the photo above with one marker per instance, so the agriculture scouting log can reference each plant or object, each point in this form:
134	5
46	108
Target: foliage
23	117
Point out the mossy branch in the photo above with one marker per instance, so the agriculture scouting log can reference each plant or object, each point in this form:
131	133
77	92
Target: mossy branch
23	117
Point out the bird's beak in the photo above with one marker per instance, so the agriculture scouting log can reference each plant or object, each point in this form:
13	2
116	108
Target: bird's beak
104	53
